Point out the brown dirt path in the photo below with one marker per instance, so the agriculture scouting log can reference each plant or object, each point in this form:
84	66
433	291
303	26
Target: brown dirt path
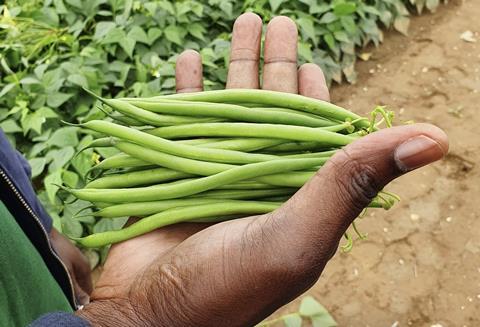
421	263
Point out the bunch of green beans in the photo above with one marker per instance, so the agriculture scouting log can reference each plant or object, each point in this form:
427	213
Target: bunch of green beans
210	156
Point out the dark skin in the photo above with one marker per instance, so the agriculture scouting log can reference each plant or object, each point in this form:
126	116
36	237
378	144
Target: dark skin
236	273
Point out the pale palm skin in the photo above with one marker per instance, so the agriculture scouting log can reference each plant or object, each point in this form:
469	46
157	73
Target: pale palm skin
238	272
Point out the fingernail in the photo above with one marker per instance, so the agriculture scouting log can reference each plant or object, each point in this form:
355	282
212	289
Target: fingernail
417	152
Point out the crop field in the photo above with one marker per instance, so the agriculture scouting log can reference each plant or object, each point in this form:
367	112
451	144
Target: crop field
86	95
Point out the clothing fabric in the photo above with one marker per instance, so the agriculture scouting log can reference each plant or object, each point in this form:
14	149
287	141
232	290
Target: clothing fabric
27	289
59	319
33	280
18	169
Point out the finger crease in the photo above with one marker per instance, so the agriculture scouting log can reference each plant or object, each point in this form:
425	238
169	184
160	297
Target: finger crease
280	60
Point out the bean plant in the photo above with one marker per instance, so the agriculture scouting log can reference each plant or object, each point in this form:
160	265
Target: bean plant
51	49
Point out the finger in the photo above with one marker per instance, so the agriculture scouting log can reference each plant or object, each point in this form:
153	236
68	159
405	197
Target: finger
280	56
83	273
189	72
311	82
317	216
245	52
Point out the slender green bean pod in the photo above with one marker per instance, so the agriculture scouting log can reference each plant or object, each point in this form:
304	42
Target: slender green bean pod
136	178
231	112
189	151
173	216
163	192
297	133
295	147
246	194
148	117
203	168
139	209
129	121
120	160
272	98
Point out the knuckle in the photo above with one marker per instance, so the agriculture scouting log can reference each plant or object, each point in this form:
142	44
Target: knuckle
357	180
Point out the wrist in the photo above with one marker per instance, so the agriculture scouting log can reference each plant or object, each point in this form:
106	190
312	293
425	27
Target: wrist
112	312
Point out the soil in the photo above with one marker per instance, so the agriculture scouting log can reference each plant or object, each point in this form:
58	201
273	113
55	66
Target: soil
420	265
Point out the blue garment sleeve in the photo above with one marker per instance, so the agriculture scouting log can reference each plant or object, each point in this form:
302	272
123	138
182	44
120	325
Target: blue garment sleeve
59	319
18	171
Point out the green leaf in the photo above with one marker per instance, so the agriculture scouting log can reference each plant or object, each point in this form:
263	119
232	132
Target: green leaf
115	35
306	25
128	45
167	6
305	52
105	225
323	321
70	178
60	7
330	40
102	29
83	162
311	307
7	88
60	158
47	112
197	30
37	165
401	24
63	137
10	126
29	81
328	18
275	4
78	79
52	80
341	36
153	34
344	8
292	320
33	122
56	99
51	189
71	227
320	317
432	5
138	34
174	34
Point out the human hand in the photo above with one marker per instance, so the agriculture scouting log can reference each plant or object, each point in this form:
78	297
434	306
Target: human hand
76	264
236	273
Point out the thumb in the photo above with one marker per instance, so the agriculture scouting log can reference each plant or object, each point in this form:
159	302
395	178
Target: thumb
321	211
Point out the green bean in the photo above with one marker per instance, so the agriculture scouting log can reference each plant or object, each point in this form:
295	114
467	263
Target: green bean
123	161
120	160
303	113
243	144
129	121
173	216
231	112
246	194
189	151
297	133
204	168
163	192
295	147
271	98
149	208
146	116
325	154
136	178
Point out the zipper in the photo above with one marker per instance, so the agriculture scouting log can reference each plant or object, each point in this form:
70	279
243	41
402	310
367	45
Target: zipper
37	220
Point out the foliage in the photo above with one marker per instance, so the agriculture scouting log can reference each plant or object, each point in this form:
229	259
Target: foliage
50	49
310	310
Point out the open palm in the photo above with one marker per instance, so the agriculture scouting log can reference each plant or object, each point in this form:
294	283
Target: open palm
236	273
